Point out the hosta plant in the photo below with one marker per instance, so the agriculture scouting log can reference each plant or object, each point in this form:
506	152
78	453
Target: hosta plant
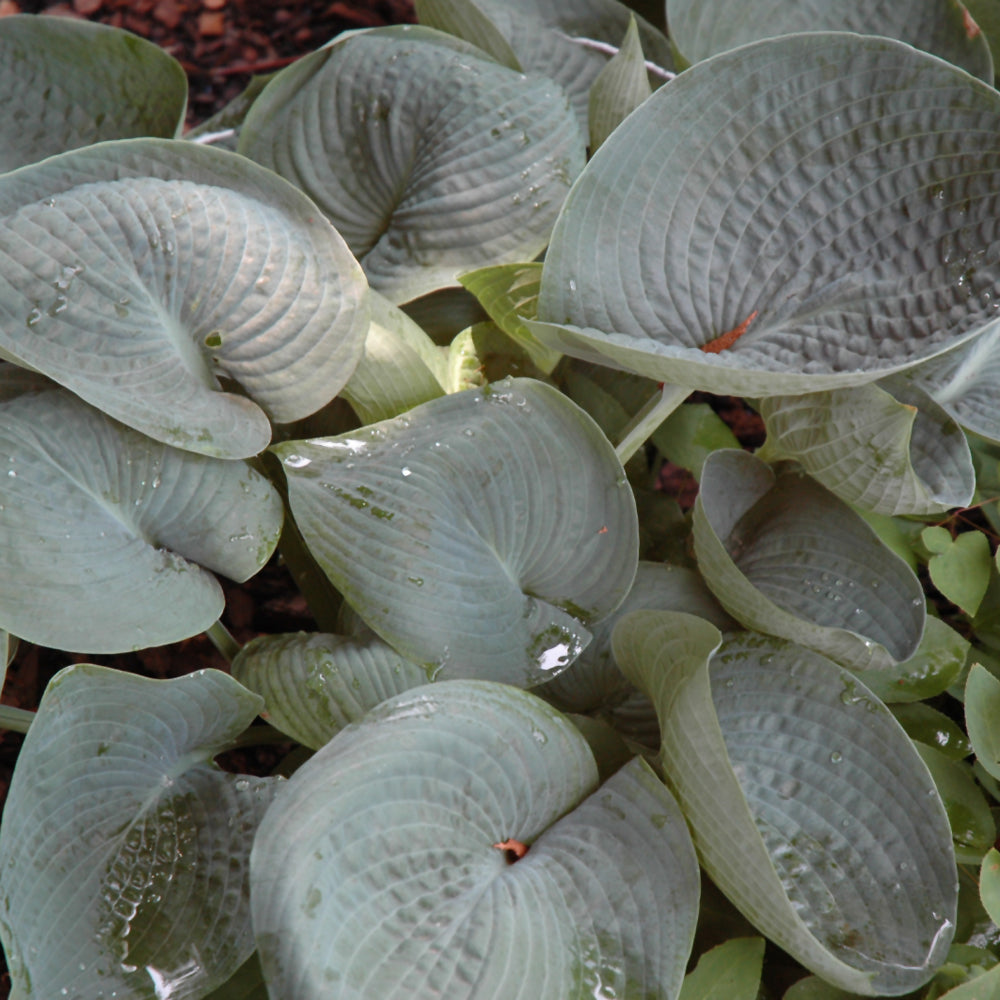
418	319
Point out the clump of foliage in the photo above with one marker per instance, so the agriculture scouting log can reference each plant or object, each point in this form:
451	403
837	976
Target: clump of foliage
542	702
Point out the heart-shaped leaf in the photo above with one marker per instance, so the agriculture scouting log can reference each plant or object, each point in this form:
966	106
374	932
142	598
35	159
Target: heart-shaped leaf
383	868
807	802
428	157
887	448
571	41
69	83
124	851
314	684
730	971
479	534
703	28
784	556
960	567
117	284
762	226
103	532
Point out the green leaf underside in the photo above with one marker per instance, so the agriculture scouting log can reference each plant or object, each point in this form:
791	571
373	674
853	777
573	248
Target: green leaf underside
703	28
889	449
104	533
117	285
836	191
784	556
807	802
73	83
427	157
124	851
478	534
375	873
314	684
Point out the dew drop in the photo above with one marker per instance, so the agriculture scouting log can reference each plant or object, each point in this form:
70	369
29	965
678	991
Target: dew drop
33	317
836	757
404	471
572	285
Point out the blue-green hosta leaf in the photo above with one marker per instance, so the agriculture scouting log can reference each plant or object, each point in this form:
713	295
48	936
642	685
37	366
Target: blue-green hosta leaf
68	83
594	682
784	556
618	90
763	226
400	366
933	668
428	157
481	533
886	448
964	382
807	802
138	273
104	532
703	28
571	41
314	684
463	19
124	851
379	871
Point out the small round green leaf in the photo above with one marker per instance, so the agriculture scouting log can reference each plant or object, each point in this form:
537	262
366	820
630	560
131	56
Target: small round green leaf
989	884
982	712
429	157
124	851
68	83
784	556
106	536
806	213
140	273
730	971
383	870
479	534
807	802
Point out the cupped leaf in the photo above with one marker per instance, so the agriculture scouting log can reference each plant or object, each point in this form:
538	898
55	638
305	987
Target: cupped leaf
810	212
313	685
428	157
479	534
69	83
124	850
571	41
703	28
784	556
117	284
104	533
887	448
383	868
808	804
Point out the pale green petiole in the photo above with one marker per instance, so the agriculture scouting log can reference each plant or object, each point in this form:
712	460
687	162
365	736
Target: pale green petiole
646	421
